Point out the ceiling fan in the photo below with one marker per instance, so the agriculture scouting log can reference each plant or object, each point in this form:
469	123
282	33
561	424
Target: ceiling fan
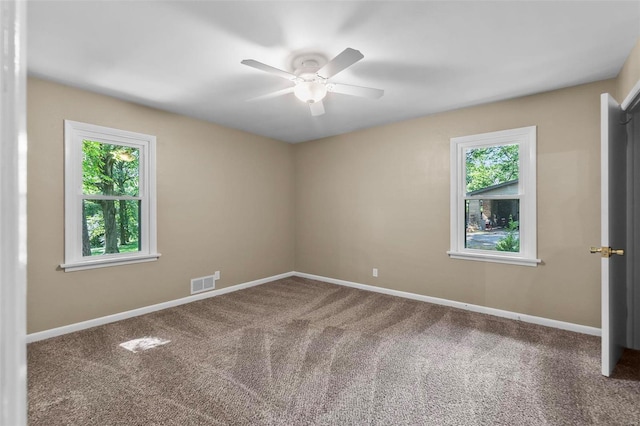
311	79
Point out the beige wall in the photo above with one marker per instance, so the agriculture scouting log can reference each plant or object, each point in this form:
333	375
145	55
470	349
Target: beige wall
629	74
225	202
379	198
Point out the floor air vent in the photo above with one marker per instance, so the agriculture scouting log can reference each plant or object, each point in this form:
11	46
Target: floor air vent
204	283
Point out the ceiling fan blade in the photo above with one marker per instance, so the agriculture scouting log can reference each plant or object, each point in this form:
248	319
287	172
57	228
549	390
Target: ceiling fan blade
268	68
317	108
272	94
345	59
348	89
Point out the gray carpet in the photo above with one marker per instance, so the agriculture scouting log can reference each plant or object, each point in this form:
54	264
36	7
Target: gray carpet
302	352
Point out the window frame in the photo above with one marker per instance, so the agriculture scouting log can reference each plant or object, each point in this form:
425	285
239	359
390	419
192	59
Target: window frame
74	135
526	138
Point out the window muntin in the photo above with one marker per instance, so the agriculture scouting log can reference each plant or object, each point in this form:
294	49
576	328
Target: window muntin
110	213
493	206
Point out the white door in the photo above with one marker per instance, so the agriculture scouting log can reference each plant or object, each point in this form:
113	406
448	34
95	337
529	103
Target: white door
613	232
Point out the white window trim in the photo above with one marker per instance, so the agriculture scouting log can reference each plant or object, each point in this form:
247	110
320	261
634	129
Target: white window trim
74	133
526	138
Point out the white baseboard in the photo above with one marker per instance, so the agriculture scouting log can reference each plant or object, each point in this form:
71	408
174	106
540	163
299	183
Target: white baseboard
461	305
46	334
41	335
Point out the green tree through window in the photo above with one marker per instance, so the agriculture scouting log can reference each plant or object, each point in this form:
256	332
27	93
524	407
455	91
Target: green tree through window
109	197
110	176
491	165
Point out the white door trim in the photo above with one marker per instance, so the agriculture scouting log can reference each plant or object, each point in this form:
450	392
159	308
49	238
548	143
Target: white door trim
604	237
631	96
13	213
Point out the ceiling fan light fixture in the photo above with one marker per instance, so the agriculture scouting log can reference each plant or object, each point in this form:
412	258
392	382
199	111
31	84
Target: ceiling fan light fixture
310	91
311	78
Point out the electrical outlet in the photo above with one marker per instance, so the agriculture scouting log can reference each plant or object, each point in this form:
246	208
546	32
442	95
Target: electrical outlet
375	272
216	275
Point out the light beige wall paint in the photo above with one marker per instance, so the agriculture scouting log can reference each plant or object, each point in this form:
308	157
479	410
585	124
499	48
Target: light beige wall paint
225	202
359	203
379	198
629	74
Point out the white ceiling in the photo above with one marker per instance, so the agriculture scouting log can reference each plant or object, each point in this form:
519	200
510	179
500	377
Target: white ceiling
428	56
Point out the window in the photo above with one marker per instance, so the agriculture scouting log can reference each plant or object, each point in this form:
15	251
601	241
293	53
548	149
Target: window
493	197
110	197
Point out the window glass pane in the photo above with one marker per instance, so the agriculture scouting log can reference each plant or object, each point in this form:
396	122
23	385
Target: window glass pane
110	226
492	170
492	225
109	169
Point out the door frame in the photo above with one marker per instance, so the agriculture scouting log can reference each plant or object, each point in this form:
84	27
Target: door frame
612	343
13	213
632	97
631	107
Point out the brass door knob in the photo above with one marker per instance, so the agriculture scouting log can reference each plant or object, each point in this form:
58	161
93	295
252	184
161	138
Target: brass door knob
607	251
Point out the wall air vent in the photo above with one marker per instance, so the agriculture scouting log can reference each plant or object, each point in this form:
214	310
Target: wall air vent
207	283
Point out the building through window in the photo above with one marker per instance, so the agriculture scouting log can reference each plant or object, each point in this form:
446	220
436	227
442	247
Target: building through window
493	197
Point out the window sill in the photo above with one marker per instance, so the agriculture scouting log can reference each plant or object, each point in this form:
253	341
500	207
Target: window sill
104	263
495	258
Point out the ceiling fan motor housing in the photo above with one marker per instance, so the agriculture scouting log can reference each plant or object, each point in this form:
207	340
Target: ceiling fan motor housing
308	63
